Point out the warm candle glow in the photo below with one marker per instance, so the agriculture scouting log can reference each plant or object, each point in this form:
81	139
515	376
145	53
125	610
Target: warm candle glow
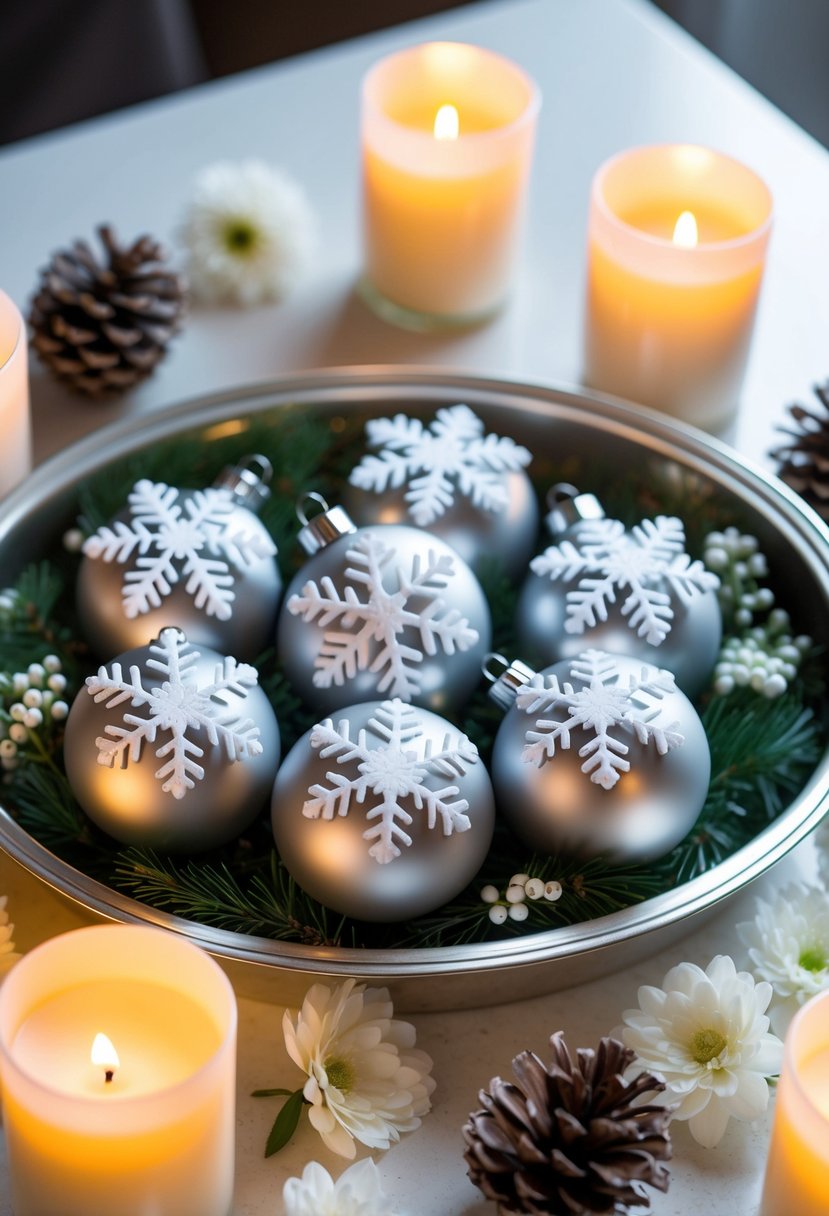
447	123
104	1055
685	231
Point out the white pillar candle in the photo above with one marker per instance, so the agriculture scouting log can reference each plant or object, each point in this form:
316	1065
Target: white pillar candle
447	139
797	1174
150	1135
15	442
677	238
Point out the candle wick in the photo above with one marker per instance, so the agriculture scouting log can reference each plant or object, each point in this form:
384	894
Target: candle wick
109	1074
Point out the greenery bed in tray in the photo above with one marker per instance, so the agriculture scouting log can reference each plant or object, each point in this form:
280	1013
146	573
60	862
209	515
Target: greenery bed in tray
762	750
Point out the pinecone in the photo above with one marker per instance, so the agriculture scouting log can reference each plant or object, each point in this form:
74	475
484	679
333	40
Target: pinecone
102	327
569	1139
804	462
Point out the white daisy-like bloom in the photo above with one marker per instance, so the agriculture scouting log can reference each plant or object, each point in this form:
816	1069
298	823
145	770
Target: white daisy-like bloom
248	231
366	1080
706	1033
788	946
357	1192
8	953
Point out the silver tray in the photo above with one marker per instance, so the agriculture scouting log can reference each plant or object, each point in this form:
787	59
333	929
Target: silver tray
548	420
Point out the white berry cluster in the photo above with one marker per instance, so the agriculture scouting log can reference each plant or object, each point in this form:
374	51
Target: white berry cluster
520	888
29	700
764	656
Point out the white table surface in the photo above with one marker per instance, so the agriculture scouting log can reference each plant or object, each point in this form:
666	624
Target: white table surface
613	73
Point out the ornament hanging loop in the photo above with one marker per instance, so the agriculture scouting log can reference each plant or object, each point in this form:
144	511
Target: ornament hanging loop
505	683
321	530
248	480
569	506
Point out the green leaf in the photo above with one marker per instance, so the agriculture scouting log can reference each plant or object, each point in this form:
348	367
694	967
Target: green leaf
271	1093
285	1123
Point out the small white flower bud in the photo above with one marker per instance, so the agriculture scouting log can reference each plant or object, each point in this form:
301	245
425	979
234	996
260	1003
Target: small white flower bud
20	681
775	686
18	732
519	912
489	894
37	674
723	685
33	718
57	682
518	880
59	710
498	914
7	748
52	663
534	888
552	891
73	540
18	711
32	697
515	894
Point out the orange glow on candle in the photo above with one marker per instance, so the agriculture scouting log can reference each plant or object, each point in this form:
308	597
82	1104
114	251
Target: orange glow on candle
685	231
447	123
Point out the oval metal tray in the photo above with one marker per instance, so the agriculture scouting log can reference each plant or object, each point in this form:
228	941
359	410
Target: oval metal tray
549	421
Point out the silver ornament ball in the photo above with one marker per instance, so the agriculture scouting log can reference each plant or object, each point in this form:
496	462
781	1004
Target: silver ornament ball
127	800
330	858
556	807
392	658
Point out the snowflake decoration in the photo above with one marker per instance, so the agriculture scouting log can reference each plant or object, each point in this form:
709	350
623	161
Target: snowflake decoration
376	644
176	705
605	700
452	452
607	559
197	534
392	772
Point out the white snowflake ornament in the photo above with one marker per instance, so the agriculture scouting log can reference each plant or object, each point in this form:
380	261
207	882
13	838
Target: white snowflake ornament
388	611
449	476
198	559
631	592
383	813
165	721
600	754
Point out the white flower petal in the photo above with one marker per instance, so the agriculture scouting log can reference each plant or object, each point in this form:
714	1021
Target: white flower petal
708	1127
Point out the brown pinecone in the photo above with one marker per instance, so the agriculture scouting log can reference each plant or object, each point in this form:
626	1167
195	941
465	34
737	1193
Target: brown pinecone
804	461
569	1139
103	326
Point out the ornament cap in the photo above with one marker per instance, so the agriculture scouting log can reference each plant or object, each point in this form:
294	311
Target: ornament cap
248	480
321	530
569	506
506	683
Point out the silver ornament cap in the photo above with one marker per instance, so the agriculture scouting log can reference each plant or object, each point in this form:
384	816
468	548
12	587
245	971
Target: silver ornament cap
384	812
600	755
449	477
196	559
172	747
636	593
383	611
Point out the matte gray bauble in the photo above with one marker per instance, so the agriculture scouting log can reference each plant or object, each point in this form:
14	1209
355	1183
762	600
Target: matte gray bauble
631	593
382	611
452	479
362	806
199	560
171	747
599	755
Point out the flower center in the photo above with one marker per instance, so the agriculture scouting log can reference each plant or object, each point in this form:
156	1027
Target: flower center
240	236
340	1073
813	959
706	1045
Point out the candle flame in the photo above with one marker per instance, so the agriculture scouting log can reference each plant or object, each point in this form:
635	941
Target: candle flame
104	1055
447	124
685	231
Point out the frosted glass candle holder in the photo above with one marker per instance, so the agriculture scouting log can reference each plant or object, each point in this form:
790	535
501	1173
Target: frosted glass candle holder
797	1173
15	442
676	247
447	141
152	1131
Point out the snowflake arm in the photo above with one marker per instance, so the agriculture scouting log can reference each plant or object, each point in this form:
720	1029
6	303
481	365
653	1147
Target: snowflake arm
116	544
649	610
146	586
154	503
435	622
562	561
397	433
429	497
211	585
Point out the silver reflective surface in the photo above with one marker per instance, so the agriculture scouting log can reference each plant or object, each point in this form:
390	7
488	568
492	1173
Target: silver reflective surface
547	420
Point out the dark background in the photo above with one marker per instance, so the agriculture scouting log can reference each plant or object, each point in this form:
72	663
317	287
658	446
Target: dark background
65	60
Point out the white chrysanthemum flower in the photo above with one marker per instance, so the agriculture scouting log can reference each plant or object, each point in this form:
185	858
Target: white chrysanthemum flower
366	1081
248	232
707	1034
788	945
8	954
357	1192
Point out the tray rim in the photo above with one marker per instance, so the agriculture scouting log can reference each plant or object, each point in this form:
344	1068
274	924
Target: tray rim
658	433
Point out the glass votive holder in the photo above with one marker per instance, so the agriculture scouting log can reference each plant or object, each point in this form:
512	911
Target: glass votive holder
15	440
447	136
797	1173
676	247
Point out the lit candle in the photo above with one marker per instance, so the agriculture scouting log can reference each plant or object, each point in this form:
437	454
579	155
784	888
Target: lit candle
447	135
15	443
797	1174
677	239
117	1057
